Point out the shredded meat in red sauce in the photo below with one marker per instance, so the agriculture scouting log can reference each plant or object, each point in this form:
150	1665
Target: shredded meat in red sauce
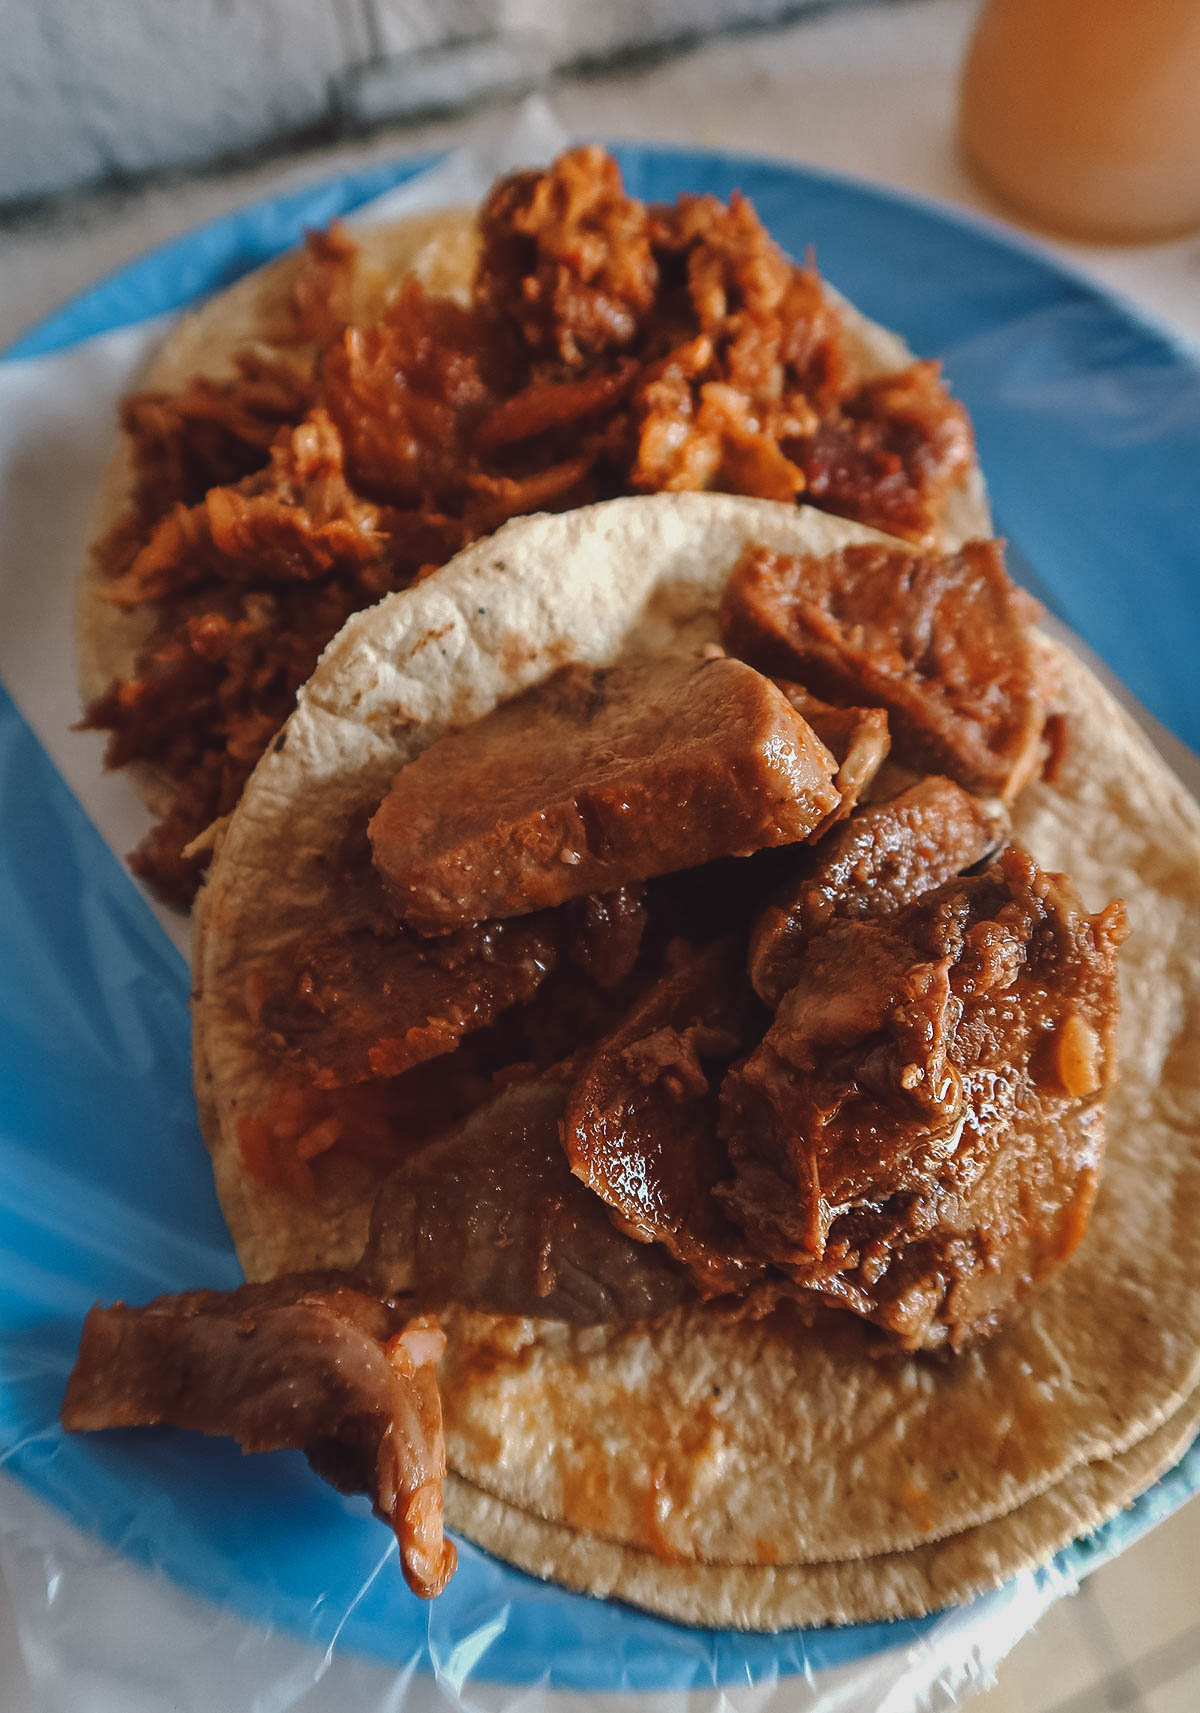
321	299
609	348
892	439
212	433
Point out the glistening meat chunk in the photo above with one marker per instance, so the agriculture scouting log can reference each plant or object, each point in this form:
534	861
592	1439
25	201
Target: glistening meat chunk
857	738
878	861
297	521
603	934
918	1136
364	1001
641	1122
596	778
304	1362
942	641
567	262
489	1216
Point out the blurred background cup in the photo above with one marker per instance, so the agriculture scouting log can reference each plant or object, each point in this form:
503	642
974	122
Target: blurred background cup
1083	116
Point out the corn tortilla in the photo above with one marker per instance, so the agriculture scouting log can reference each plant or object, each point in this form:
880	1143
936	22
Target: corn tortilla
775	1449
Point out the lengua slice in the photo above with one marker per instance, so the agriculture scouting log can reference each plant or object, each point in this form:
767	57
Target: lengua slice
943	641
594	779
489	1215
640	1127
879	860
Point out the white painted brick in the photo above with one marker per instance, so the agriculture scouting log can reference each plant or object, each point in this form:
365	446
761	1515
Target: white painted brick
404	25
94	89
89	88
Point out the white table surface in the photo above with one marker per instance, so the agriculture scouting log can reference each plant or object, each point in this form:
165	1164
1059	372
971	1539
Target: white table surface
868	91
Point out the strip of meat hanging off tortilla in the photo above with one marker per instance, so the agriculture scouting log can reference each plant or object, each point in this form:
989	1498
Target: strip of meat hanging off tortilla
304	1362
878	861
593	779
490	1216
918	1137
943	641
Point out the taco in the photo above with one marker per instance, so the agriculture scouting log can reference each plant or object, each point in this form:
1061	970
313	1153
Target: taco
334	425
633	1402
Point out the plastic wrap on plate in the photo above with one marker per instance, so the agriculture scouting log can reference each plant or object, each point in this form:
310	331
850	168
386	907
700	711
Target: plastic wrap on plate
163	1569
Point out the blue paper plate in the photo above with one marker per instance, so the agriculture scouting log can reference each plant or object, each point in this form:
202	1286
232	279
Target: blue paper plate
1088	421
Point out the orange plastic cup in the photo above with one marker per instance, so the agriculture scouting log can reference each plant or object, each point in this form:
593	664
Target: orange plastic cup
1084	115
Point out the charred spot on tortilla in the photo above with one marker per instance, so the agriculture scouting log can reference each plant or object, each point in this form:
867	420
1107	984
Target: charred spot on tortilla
331	432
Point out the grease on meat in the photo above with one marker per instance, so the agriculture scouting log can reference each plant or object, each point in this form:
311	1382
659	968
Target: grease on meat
918	1137
943	641
596	778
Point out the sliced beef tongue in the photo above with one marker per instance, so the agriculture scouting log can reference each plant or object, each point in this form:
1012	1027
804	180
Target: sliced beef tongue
490	1216
364	997
641	1121
305	1362
875	863
362	1002
918	1136
942	641
857	738
596	778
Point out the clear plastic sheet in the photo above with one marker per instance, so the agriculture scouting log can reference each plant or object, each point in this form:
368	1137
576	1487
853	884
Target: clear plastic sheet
100	1636
162	1570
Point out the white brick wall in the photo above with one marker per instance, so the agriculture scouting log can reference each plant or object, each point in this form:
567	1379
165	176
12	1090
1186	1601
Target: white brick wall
94	89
